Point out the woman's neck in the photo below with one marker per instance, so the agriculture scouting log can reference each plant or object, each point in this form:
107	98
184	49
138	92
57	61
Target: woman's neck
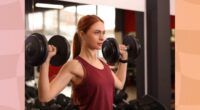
88	54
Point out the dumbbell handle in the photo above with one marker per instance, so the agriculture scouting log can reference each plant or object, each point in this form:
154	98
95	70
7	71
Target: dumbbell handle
115	106
125	101
127	47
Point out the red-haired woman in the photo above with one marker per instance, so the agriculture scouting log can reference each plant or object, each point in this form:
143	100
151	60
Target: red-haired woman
92	80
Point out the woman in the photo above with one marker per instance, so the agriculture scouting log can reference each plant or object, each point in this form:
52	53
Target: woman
92	80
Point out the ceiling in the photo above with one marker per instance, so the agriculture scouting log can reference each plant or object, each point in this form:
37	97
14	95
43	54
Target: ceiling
30	3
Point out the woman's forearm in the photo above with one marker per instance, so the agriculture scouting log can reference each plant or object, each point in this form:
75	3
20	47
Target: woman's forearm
44	85
121	73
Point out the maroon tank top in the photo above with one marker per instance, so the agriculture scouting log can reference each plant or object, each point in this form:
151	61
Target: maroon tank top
96	89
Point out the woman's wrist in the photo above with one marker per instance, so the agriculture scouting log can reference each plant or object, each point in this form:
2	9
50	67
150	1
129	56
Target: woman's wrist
47	61
123	60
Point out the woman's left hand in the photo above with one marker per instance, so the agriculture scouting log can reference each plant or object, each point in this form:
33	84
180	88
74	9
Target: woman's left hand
123	52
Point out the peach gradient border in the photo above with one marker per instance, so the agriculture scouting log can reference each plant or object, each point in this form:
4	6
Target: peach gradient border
187	38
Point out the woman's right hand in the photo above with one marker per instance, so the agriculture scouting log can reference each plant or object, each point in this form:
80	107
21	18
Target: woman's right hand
51	51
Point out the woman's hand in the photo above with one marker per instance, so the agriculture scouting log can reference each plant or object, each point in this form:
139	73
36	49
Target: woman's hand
123	52
51	51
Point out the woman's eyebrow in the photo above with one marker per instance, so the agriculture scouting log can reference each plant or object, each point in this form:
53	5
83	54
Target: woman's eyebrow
100	30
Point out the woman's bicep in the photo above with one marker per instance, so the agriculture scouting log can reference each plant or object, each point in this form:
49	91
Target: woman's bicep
63	77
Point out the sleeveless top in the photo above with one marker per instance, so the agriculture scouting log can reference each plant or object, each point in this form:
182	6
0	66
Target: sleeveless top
96	91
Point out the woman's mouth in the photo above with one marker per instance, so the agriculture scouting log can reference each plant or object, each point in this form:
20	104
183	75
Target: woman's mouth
100	44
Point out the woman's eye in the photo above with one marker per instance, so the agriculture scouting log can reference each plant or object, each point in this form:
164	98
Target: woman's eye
97	32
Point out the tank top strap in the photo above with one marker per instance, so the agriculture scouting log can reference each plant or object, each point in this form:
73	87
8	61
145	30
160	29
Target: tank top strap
81	60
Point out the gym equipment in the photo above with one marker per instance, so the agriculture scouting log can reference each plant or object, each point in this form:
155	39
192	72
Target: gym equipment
71	106
29	72
62	100
36	49
30	92
120	102
51	105
111	52
63	50
134	47
146	103
41	106
120	97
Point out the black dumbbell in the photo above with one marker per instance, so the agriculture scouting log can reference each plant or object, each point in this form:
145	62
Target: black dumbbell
36	49
120	97
71	106
133	105
30	92
111	53
147	102
120	102
40	105
62	100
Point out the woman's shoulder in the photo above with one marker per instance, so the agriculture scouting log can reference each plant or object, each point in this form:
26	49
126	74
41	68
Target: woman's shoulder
73	66
103	60
72	63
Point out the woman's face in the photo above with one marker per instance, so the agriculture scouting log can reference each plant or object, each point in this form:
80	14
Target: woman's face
94	37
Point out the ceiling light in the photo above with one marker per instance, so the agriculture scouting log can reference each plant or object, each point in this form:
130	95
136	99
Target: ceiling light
44	5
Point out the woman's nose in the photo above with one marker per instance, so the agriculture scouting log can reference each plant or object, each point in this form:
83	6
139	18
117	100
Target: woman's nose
101	37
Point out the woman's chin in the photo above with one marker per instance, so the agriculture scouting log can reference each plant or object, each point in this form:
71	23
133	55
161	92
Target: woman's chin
98	48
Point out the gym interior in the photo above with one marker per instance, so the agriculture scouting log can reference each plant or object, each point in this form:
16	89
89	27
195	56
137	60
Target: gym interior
150	80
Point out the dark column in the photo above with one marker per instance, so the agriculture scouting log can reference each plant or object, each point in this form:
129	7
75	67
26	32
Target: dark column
158	50
140	60
119	18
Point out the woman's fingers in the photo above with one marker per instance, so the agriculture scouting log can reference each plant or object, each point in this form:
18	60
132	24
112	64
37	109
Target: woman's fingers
123	51
51	48
122	47
51	51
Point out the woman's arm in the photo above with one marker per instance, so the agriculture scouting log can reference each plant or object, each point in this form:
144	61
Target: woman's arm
46	90
120	76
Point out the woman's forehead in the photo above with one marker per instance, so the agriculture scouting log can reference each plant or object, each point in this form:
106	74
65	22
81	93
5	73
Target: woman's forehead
98	26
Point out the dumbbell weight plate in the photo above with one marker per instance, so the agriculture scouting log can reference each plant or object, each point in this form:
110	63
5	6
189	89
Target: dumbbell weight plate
110	51
63	50
62	100
134	47
36	49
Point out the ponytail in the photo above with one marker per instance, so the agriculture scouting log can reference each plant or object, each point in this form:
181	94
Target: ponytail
76	45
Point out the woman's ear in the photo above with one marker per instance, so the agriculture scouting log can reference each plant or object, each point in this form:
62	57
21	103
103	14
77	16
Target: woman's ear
81	34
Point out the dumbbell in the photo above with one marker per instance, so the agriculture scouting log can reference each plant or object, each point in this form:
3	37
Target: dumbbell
62	100
110	49
46	105
71	106
120	97
36	49
40	105
30	92
147	102
120	102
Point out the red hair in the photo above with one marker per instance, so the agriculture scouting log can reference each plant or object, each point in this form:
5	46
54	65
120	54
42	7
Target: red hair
84	25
